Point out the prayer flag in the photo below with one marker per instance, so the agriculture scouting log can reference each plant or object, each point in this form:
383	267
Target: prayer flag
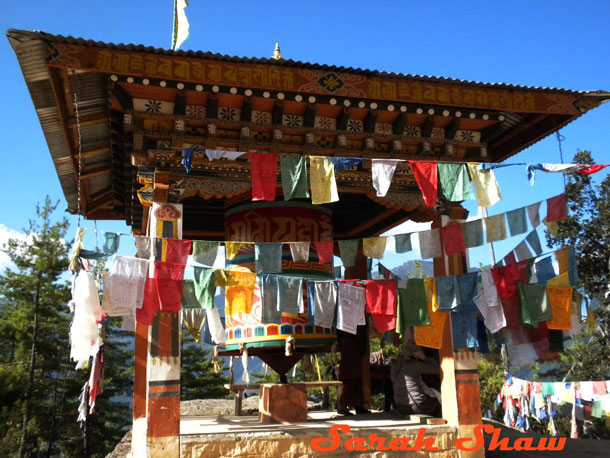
181	24
264	171
425	173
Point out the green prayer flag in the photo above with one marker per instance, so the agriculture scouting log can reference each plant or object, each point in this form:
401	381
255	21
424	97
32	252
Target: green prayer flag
348	249
205	286
455	182
412	306
473	233
517	224
535	304
294	176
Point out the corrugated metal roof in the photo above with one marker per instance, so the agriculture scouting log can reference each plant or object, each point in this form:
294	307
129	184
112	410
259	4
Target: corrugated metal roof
22	35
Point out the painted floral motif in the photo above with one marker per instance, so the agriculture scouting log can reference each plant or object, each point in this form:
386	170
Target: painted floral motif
261	117
153	107
195	111
438	133
292	120
325	123
383	128
228	114
354	126
331	82
412	131
468	136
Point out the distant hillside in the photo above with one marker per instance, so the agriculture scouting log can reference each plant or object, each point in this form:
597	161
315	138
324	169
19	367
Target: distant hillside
408	269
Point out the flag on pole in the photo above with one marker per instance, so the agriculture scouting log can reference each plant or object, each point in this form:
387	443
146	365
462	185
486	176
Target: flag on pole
181	24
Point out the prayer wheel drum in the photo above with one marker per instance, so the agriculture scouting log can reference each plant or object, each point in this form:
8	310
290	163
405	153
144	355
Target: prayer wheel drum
291	221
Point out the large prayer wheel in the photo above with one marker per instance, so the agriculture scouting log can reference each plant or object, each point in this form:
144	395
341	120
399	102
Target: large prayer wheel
291	221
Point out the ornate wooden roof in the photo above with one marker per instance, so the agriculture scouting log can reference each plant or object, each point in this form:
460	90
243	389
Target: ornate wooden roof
116	118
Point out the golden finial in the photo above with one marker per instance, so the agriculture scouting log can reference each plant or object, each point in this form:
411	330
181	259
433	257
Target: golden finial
277	53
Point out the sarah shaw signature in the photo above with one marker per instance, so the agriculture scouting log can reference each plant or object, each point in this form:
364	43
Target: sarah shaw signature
468	444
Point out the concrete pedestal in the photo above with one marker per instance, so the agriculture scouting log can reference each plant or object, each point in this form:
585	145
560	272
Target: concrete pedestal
282	404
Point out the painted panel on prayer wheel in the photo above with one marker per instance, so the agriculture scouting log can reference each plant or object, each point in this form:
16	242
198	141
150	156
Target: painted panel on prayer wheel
275	222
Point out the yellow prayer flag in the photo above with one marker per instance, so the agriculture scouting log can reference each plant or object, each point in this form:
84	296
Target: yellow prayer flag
560	298
374	247
431	335
322	180
485	185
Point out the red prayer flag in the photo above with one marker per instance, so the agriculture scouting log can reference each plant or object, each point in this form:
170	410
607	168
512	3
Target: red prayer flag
505	279
453	239
169	278
381	296
426	175
325	250
556	208
150	306
264	173
510	258
177	250
591	169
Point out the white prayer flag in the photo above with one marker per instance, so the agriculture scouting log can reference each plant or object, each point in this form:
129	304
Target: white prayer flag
181	24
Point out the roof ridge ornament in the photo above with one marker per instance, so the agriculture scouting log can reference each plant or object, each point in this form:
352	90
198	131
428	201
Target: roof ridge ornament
277	54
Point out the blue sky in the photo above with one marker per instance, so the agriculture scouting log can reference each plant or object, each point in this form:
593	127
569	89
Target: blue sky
562	44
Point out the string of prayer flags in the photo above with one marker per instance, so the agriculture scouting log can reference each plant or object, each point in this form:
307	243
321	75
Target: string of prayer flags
322	180
382	171
205	252
455	182
177	250
495	228
348	250
219	153
453	239
472	231
294	176
324	250
425	173
556	208
299	251
485	185
402	243
374	247
268	257
264	172
204	282
169	277
430	244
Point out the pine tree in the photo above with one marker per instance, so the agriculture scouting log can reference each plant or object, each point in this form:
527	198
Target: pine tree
39	387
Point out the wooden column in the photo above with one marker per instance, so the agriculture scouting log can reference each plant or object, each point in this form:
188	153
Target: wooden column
359	272
158	432
461	399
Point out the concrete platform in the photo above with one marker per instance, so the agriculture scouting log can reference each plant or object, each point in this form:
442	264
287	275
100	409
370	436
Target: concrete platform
231	436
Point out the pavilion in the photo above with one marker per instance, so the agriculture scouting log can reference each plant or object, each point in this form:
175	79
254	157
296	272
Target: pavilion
117	118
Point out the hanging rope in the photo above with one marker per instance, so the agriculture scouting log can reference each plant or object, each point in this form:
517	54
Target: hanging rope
80	150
